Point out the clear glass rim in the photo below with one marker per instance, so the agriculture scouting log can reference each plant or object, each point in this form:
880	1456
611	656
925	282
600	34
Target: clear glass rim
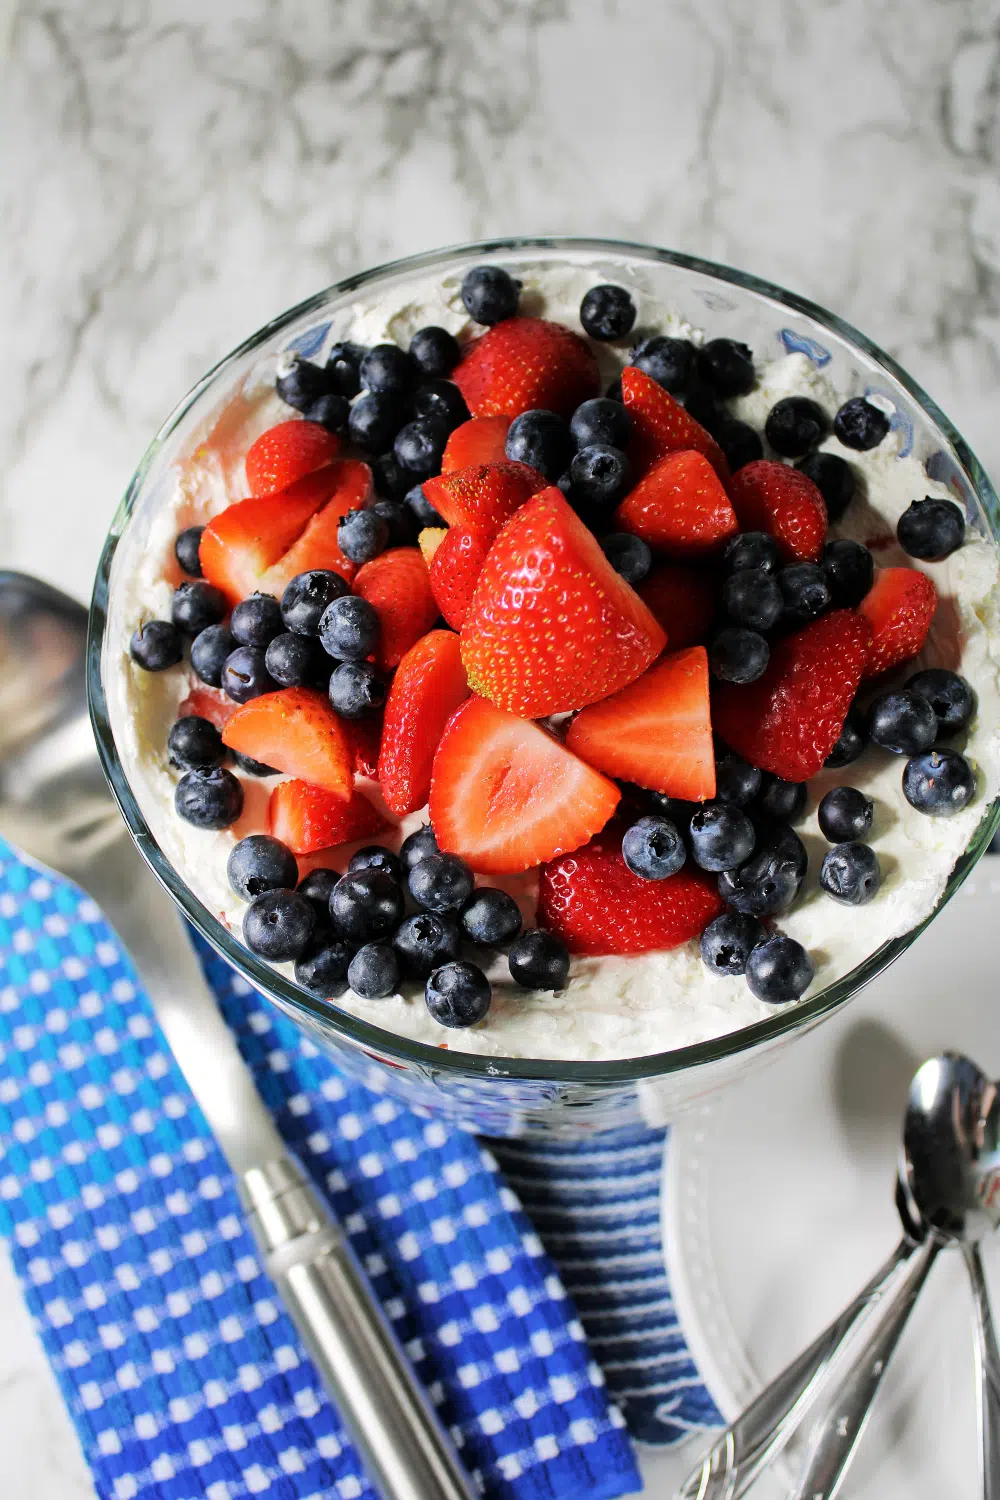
619	1071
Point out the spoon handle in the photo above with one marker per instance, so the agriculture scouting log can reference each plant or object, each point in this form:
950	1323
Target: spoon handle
760	1432
987	1377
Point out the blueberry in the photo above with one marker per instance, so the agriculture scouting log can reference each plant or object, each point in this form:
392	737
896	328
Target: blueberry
722	837
389	479
343	368
738	655
667	361
362	535
845	815
794	425
939	782
752	597
614	390
418	846
674	809
850	572
779	970
376	857
858	424
331	411
387	370
257	620
374	421
195	743
440	401
458	994
402	524
318	886
785	842
261	863
373	972
851	742
356	690
306	596
279	925
628	555
902	722
539	961
296	661
728	941
751	550
738	441
434	351
422	508
950	696
736	780
301	382
196	605
607	312
490	294
419	447
541	439
850	873
186	550
322	969
349	628
366	904
653	849
209	798
833	477
931	529
426	941
491	917
769	881
726	367
779	801
805	592
441	883
599	474
251	766
245	674
702	404
601	421
156	646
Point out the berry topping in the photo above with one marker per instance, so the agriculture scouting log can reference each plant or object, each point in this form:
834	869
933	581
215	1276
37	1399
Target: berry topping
301	382
286	453
771	497
261	863
428	687
458	995
245	675
156	645
195	743
769	881
454	572
539	961
362	535
426	941
349	629
439	401
739	443
374	421
441	883
805	592
540	439
599	474
899	607
751	551
356	690
209	798
434	351
607	312
308	818
331	411
667	361
196	605
306	596
628	555
779	801
257	620
397	586
851	743
482	440
186	550
722	837
322	969
726	943
738	655
419	448
279	925
367	904
850	571
950	696
296	661
373	972
318	886
204	704
726	367
387	370
343	368
296	731
527	364
939	782
402	523
490	294
931	529
902	722
491	918
418	846
376	857
833	477
600	421
389	477
482	498
653	849
660	425
679	506
860	425
736	780
779	970
681	600
421	509
845	815
851	874
794	425
752	597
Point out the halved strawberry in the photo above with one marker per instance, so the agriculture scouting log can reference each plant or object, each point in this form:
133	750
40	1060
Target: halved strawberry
365	736
552	626
525	363
682	600
506	795
318	547
208	703
679	506
454	573
429	541
307	818
296	731
899	607
240	544
428	687
397	584
775	498
482	498
481	441
660	425
597	906
286	453
789	720
657	731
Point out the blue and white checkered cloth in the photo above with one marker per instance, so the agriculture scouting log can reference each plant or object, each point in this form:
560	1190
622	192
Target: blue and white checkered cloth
183	1375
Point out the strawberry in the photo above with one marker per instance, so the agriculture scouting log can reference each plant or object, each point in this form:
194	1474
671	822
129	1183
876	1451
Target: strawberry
296	731
429	541
481	441
307	818
428	687
208	703
899	607
482	498
597	906
396	583
789	720
679	506
454	573
365	736
660	425
657	731
525	363
240	544
682	600
286	453
318	547
506	795
552	626
772	497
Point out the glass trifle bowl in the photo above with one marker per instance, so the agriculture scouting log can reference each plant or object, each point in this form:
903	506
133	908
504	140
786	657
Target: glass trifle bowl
685	1039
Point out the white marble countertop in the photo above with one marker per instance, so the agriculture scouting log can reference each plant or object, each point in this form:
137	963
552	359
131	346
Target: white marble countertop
175	174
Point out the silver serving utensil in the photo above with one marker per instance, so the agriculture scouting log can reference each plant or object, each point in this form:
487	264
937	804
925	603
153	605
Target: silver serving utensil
56	807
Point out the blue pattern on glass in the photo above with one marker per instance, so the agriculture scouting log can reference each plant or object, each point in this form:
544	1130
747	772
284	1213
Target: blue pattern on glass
311	342
799	343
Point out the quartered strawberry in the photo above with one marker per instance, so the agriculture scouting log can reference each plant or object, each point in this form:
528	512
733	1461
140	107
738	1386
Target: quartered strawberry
682	600
365	736
482	498
506	795
397	585
660	425
240	544
208	703
552	626
296	731
657	731
679	506
597	906
789	720
318	547
772	497
525	363
307	817
481	441
428	687
454	573
899	607
286	453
